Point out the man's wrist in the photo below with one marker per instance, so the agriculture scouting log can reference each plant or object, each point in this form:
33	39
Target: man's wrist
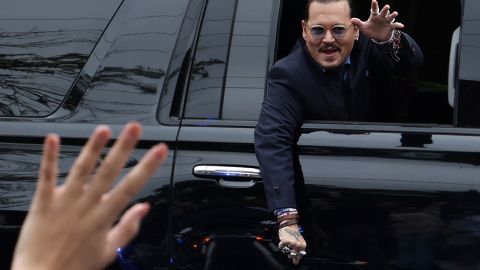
283	214
288	223
392	45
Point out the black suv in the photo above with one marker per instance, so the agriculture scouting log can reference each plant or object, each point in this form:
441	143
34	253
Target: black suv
400	193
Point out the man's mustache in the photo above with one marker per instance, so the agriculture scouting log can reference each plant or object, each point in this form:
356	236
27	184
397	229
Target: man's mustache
329	47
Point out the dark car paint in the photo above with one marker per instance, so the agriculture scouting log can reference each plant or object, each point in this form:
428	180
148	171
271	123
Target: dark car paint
378	196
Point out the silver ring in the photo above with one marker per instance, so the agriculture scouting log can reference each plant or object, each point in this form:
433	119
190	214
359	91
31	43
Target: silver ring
302	253
377	12
286	250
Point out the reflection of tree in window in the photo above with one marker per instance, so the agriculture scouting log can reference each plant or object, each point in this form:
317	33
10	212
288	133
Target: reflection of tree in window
200	70
40	60
211	57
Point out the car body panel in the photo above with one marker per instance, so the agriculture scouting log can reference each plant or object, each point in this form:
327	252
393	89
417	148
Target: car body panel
376	195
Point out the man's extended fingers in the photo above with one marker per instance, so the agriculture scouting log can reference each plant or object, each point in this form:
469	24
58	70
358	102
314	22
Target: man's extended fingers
385	11
114	162
392	16
398	25
374	7
133	182
127	228
48	169
87	160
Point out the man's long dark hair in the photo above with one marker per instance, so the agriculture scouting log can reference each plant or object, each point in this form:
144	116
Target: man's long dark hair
309	2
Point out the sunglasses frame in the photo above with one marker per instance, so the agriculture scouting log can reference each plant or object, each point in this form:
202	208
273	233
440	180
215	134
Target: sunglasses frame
336	36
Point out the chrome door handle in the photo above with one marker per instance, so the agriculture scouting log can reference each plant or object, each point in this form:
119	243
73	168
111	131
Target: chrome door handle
229	176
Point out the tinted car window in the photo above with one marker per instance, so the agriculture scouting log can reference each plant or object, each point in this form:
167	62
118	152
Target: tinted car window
468	92
247	67
470	50
416	97
42	50
124	77
228	75
209	65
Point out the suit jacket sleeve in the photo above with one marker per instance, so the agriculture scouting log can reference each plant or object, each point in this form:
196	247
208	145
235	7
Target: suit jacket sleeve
276	135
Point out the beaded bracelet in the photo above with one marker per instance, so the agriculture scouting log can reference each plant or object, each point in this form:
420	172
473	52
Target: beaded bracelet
287	213
283	211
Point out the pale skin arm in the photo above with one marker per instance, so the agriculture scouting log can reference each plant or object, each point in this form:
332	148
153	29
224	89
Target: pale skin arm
71	226
290	236
379	27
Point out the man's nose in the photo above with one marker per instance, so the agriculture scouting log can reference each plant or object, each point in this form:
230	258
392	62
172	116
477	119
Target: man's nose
328	38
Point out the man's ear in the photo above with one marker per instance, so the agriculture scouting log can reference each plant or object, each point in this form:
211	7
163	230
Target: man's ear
304	30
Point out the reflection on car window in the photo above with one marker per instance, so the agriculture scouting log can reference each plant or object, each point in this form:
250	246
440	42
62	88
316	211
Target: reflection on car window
247	66
43	49
209	66
228	75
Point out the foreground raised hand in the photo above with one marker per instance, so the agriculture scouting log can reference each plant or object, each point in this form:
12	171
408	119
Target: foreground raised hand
71	226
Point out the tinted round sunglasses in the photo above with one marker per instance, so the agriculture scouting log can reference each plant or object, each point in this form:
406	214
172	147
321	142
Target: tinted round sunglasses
338	31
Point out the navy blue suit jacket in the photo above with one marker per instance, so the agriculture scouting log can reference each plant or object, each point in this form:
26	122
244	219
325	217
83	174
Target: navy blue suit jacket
299	89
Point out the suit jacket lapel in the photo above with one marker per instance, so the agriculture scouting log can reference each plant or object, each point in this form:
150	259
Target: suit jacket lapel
359	82
328	89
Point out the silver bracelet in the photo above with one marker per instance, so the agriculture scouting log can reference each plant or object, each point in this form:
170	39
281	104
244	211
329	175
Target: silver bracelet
390	40
394	40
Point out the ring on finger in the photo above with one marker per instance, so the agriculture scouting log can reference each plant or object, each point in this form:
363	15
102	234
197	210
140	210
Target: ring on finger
286	250
374	13
292	255
301	253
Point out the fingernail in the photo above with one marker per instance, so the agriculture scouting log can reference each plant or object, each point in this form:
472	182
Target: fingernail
134	130
145	209
103	133
159	151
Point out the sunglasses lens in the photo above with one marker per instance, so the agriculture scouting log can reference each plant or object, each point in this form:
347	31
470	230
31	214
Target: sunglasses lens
317	31
339	31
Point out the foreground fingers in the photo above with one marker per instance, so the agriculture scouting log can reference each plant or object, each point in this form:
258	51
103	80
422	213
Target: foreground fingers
70	227
131	184
48	170
128	226
115	161
87	160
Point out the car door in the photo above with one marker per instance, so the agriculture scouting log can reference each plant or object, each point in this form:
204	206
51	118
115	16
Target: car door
400	195
377	195
220	220
68	69
391	196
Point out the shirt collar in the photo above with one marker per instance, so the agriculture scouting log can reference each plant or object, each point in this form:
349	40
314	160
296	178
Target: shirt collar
348	61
